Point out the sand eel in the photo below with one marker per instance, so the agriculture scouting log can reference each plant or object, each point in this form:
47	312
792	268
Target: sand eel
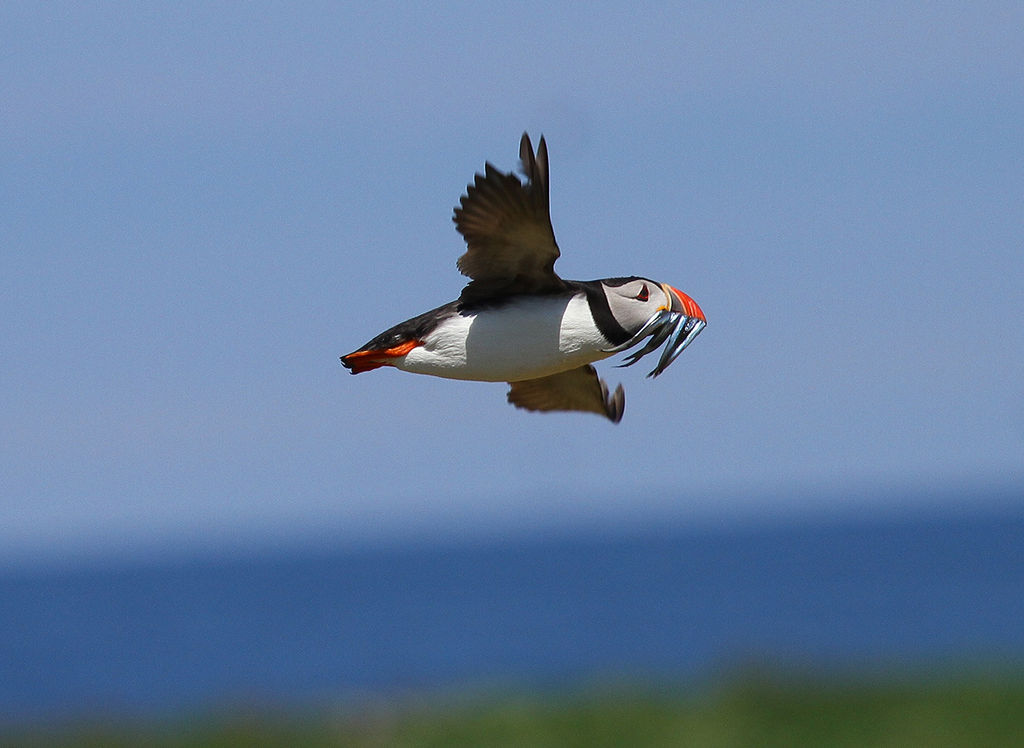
517	321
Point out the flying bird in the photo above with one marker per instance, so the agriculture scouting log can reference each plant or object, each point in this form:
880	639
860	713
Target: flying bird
517	321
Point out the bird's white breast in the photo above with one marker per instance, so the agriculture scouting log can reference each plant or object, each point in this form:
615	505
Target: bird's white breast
526	338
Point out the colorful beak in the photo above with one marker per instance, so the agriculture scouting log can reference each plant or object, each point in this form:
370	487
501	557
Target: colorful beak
683	303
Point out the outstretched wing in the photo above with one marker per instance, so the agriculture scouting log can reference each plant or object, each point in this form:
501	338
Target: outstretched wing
507	227
576	389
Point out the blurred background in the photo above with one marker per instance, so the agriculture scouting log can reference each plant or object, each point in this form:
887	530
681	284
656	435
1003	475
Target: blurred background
203	205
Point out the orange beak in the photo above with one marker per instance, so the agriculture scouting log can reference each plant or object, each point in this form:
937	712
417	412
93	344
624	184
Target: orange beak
683	303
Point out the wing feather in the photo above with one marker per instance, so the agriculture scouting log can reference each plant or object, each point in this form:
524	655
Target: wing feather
511	246
579	389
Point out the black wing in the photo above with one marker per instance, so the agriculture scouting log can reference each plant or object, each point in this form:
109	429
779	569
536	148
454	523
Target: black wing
507	227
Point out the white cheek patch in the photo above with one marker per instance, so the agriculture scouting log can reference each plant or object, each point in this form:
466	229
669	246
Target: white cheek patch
630	312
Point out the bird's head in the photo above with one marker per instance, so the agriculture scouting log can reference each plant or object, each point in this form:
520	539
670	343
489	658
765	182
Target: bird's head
646	308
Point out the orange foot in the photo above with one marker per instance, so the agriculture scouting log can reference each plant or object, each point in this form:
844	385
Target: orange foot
368	360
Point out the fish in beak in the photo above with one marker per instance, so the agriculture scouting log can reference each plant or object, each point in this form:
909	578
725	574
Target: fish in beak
675	326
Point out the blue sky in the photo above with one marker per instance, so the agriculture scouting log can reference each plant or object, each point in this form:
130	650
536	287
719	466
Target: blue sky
203	206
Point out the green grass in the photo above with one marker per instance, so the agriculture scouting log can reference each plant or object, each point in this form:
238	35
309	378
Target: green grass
748	711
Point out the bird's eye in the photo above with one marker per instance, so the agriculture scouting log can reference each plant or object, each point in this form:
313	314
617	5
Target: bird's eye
644	294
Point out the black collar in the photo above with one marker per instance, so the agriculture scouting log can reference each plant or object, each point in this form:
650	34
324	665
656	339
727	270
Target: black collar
602	312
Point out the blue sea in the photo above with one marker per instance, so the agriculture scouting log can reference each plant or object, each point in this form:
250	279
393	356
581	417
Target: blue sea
678	604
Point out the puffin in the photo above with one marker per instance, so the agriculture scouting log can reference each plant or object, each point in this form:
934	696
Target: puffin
517	321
